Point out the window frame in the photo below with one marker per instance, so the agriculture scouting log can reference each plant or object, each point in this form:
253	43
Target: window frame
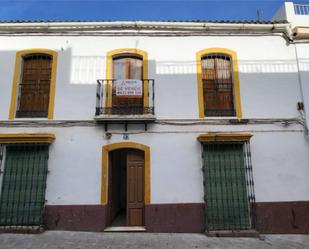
131	52
236	90
17	78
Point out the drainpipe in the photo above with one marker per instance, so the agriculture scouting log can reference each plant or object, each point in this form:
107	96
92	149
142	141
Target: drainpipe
302	112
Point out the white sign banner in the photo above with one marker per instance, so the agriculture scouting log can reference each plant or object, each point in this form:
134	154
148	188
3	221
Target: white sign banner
129	88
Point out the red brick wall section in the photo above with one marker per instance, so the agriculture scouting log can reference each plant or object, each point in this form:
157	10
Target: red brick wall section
75	217
283	217
271	217
177	218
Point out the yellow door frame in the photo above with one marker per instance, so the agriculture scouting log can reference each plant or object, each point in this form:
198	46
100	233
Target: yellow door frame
124	145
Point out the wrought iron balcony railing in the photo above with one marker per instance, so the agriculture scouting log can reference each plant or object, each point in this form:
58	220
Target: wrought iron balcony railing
108	103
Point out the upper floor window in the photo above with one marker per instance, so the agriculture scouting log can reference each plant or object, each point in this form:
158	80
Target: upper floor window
218	83
126	67
34	83
33	92
126	89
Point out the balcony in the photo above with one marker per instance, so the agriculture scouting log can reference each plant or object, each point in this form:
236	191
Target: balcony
112	107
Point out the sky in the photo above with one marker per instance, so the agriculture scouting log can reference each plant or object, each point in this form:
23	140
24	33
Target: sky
150	10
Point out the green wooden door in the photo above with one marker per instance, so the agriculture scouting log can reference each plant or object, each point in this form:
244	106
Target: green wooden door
23	184
227	205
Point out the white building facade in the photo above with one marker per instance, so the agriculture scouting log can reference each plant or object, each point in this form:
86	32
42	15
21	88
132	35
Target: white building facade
213	138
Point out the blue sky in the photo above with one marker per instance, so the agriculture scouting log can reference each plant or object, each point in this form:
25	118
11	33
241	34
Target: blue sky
138	9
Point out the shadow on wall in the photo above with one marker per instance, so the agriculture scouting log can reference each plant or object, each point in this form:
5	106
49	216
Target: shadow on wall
7	75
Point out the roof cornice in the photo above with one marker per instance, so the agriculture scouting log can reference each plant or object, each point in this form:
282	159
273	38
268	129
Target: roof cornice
144	26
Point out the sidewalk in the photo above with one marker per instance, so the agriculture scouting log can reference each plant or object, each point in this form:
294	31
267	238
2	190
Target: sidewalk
83	240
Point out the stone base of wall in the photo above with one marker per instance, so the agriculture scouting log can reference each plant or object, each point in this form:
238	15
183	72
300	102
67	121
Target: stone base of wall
271	217
75	217
283	217
176	218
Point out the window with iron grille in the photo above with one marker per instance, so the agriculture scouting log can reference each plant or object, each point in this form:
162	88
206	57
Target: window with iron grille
228	186
217	77
34	86
22	184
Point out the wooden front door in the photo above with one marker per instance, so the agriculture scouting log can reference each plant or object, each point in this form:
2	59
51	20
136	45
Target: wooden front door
135	188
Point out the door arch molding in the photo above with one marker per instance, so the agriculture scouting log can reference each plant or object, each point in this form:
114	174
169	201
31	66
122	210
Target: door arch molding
124	145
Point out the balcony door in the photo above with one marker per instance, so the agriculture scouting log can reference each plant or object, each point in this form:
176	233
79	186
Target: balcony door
127	67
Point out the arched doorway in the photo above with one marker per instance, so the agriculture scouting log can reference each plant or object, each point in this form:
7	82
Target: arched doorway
125	183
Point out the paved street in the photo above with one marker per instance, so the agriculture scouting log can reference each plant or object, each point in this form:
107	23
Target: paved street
83	240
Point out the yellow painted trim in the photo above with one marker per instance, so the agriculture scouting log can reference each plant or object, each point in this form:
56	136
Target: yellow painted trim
233	54
17	75
124	145
13	138
224	137
109	71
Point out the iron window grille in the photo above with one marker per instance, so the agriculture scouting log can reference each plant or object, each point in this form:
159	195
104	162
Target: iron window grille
22	185
228	186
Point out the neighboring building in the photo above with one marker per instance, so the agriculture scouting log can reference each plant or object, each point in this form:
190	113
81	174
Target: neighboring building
163	126
298	17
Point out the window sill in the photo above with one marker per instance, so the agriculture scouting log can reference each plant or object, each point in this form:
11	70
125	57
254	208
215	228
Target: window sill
29	119
221	117
233	233
133	118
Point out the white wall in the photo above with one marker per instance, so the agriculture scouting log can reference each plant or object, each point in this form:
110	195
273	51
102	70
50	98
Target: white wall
267	71
280	166
279	158
269	89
